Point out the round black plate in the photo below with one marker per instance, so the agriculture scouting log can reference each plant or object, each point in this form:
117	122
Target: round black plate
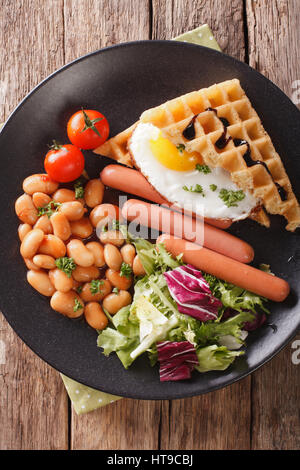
122	81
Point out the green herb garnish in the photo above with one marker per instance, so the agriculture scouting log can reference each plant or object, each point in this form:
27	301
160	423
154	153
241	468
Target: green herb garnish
49	209
79	289
115	225
213	187
203	168
95	286
79	189
126	270
194	189
77	305
65	264
230	197
104	228
180	148
116	290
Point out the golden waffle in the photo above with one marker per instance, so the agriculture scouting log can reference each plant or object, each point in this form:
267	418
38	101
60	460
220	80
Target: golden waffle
229	101
116	147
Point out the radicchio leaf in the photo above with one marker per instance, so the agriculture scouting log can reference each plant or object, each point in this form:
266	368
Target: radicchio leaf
257	322
177	360
192	293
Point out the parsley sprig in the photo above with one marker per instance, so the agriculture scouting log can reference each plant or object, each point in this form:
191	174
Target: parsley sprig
230	197
180	148
126	270
79	189
203	168
49	209
77	305
95	286
65	264
115	224
194	189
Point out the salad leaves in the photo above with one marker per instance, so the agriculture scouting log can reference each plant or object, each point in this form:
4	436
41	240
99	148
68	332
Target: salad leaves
235	297
122	339
155	318
215	357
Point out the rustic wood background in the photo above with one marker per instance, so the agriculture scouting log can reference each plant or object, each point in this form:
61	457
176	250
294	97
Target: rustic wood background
261	411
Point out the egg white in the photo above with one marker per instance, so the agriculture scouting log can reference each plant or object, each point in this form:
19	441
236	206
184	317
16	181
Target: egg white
169	183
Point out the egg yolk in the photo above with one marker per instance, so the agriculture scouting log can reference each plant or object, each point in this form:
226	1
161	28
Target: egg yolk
172	157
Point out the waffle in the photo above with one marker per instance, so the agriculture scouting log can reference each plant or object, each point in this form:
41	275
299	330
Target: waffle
229	101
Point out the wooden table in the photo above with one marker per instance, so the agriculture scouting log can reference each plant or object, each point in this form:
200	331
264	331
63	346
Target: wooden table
259	412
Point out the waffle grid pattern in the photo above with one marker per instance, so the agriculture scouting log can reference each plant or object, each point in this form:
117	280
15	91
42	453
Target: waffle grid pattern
230	102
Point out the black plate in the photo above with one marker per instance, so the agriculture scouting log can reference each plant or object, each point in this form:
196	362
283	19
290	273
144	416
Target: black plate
122	81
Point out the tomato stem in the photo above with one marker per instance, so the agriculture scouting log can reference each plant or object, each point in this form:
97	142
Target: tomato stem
90	123
55	145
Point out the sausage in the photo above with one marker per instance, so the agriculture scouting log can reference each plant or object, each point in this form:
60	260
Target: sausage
228	269
133	182
186	227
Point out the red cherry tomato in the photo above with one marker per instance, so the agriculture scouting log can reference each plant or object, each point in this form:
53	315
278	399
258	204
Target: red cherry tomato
87	129
64	163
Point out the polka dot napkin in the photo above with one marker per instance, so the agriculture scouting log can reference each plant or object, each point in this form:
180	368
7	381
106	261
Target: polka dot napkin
83	398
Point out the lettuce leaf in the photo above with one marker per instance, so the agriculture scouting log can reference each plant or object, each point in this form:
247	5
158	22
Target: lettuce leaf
153	258
212	332
123	339
235	297
153	325
215	357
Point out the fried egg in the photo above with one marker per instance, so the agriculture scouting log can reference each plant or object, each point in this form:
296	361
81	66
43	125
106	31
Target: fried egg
179	177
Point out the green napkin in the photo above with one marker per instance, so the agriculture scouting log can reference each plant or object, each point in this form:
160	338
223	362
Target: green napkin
83	398
202	35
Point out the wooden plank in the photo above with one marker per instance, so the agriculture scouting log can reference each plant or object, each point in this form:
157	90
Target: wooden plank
33	403
177	16
106	22
274	38
125	424
206	422
128	424
215	421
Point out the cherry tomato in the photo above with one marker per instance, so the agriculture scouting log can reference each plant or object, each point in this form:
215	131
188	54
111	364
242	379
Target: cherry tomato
87	129
64	163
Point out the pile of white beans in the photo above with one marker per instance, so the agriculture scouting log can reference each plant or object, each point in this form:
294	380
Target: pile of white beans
67	232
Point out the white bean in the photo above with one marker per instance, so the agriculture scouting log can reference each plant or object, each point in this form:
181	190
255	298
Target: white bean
81	255
67	303
39	183
31	243
25	209
40	281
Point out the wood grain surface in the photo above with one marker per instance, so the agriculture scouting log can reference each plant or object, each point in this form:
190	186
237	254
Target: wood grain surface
274	37
261	411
